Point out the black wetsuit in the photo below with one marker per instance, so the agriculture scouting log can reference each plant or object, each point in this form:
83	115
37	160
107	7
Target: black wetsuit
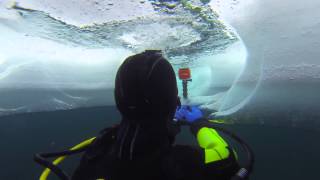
177	162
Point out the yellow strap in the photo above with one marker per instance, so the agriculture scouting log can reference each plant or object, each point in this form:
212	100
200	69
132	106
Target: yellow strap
47	171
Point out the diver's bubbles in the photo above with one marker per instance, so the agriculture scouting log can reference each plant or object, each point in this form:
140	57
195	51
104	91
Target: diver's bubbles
227	65
248	78
244	85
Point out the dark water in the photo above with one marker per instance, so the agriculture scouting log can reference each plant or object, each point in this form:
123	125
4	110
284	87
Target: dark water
281	153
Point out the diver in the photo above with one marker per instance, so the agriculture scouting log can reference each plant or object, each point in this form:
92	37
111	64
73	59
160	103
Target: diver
143	145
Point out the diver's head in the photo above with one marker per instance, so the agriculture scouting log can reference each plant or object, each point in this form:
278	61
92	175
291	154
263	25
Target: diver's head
146	88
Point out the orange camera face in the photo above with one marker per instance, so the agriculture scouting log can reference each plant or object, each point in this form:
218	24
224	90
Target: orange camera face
184	73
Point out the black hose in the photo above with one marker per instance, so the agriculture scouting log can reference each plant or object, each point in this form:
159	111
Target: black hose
55	169
40	158
62	153
243	173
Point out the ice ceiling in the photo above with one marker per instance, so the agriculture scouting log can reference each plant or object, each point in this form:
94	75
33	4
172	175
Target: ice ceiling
63	54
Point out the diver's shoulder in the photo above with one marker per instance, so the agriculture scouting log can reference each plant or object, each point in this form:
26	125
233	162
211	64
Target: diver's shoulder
101	145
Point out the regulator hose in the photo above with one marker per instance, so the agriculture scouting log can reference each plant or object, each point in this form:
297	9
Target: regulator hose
41	158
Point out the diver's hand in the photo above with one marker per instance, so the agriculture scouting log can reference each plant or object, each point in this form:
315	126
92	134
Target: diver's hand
189	114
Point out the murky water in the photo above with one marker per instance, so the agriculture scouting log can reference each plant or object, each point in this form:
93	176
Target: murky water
281	153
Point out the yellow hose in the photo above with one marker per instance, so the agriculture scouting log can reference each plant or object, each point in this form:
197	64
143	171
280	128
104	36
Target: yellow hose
221	121
47	171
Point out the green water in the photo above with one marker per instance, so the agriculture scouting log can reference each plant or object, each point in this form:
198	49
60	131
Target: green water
281	153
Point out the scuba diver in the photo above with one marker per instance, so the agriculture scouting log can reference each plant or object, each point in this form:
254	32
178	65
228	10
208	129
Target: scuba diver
143	145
